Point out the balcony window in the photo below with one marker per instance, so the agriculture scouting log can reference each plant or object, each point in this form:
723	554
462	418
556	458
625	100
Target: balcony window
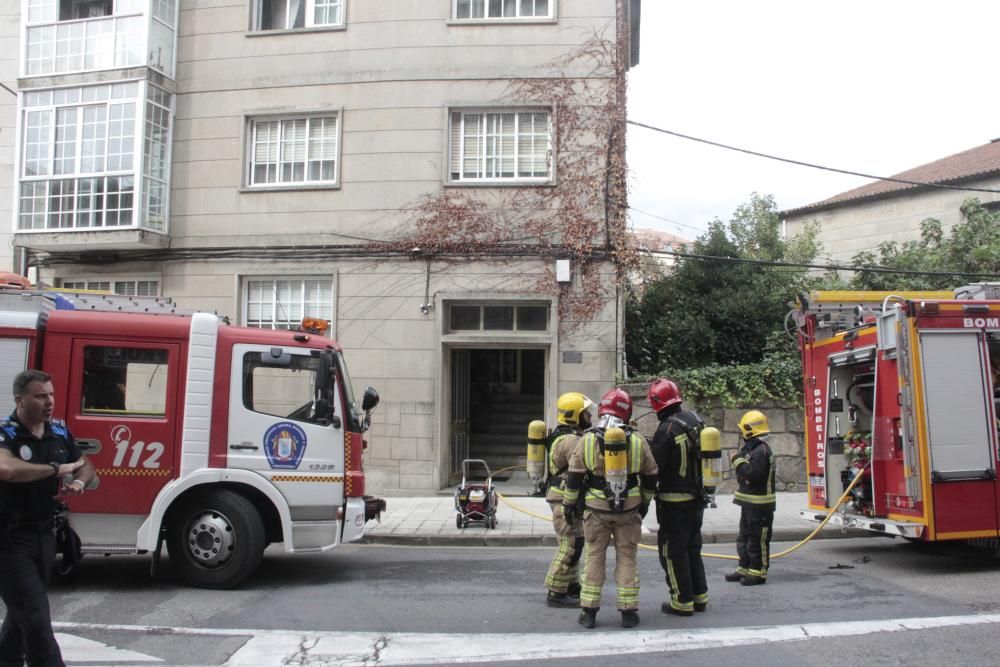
79	163
500	146
292	14
282	303
293	151
503	9
77	35
123	287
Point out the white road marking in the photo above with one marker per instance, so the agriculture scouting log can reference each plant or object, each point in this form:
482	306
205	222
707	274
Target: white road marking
79	649
283	647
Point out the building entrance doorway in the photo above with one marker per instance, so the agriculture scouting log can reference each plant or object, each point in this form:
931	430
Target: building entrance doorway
495	393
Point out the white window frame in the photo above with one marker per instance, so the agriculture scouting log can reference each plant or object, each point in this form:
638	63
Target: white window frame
309	16
246	280
255	123
457	155
518	16
96	283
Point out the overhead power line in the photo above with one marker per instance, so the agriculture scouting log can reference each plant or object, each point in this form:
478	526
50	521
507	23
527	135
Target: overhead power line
829	267
810	164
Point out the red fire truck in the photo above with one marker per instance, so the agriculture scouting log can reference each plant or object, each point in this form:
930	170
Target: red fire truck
215	439
903	389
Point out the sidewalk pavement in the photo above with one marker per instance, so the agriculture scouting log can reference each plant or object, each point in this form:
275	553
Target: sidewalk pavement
524	521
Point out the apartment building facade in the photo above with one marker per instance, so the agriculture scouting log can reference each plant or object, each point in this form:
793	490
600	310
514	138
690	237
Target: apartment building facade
439	180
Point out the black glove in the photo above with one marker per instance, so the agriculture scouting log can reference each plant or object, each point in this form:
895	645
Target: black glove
643	508
569	514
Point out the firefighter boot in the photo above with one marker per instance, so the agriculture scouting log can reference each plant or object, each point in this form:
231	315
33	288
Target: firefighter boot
734	577
562	600
588	616
753	580
630	618
574	589
668	608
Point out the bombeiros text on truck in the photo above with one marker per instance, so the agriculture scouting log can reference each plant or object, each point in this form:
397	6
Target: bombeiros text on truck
902	391
215	439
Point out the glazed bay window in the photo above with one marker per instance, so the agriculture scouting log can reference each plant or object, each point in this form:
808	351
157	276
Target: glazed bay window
283	303
293	151
503	9
122	287
80	154
504	146
292	14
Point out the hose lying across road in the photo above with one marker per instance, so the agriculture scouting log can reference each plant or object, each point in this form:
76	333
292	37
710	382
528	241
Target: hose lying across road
794	547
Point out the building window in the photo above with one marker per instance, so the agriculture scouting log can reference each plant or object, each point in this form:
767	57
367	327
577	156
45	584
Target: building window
292	14
497	317
511	146
502	9
283	304
79	163
123	287
293	151
77	35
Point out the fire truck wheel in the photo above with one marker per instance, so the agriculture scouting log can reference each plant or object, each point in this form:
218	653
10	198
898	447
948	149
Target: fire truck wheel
215	539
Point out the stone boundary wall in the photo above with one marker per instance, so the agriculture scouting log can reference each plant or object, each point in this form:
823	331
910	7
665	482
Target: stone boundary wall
787	434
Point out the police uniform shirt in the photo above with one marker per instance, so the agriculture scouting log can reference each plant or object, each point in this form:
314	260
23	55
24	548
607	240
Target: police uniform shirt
34	501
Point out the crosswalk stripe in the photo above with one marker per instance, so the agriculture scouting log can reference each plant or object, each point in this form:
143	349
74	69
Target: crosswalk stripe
275	647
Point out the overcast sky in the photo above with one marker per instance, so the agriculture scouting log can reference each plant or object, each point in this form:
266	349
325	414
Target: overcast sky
873	86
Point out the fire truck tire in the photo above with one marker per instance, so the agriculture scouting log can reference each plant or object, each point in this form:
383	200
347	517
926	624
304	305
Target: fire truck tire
215	539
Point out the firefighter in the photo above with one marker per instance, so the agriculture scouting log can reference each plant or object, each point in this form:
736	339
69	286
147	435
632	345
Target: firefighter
680	503
614	469
37	457
754	467
562	579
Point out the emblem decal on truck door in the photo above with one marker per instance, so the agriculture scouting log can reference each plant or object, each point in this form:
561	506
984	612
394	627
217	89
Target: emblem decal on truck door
284	445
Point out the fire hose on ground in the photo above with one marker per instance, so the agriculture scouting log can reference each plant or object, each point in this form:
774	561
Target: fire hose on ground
794	547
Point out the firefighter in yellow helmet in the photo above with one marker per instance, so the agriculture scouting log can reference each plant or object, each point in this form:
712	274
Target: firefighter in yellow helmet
754	468
562	579
614	469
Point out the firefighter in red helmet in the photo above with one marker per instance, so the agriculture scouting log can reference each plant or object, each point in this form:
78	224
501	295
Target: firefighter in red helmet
613	472
680	502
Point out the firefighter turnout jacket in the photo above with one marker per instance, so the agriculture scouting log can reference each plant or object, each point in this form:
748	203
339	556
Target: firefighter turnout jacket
677	450
754	467
586	469
562	442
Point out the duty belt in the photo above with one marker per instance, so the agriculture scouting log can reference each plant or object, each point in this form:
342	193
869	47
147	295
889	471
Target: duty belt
29	525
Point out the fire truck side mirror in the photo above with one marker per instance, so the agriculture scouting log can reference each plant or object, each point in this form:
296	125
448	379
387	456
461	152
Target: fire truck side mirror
369	400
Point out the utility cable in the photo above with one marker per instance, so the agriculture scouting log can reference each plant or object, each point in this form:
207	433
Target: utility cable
801	163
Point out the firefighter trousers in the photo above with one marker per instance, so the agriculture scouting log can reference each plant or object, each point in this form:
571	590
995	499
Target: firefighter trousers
598	529
754	541
564	569
26	559
679	542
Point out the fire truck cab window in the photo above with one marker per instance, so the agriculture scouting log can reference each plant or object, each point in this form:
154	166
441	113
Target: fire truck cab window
124	381
282	386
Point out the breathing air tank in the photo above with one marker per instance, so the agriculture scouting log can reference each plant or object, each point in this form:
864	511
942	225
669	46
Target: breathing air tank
711	458
536	451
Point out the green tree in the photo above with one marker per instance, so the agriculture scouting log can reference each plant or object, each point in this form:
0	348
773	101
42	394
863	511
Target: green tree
715	308
972	247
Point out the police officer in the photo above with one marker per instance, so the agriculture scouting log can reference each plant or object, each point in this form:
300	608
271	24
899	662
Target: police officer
754	467
562	579
680	505
614	469
37	455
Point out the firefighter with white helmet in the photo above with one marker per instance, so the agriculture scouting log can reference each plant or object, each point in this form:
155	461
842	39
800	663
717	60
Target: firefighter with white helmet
680	502
754	468
613	469
562	579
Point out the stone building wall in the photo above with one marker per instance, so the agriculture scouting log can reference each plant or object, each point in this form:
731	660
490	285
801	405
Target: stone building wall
787	435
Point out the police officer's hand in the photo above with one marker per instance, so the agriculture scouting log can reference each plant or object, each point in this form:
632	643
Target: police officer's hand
70	468
643	509
569	514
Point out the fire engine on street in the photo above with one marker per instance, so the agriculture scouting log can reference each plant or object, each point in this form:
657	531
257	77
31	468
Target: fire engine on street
902	389
215	439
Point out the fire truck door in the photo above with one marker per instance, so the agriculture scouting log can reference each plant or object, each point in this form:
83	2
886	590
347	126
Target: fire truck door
960	435
281	425
121	407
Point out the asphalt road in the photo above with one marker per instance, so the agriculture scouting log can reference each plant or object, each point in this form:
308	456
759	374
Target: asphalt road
851	601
